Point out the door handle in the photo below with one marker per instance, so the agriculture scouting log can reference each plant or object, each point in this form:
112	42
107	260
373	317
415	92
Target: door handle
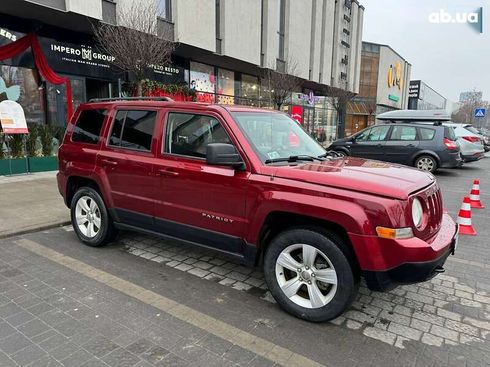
166	172
411	145
109	162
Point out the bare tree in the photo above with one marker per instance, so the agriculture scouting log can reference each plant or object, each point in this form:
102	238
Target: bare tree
371	107
281	84
466	113
137	42
339	99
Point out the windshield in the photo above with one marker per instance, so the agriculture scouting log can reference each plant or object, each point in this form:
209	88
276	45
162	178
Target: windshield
274	135
472	129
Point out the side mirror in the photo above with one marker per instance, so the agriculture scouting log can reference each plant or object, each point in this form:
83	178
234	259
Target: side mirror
223	155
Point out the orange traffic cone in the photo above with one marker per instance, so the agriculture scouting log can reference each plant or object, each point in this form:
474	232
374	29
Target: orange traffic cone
475	196
464	218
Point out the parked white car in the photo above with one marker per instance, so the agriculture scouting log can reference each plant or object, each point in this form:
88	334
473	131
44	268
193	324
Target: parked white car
471	144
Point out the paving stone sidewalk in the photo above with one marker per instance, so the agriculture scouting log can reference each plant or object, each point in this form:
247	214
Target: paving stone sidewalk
30	202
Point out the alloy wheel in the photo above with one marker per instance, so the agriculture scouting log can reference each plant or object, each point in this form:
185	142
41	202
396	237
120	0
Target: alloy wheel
306	276
425	164
88	216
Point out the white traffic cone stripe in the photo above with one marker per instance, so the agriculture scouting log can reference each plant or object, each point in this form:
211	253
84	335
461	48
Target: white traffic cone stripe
466	207
464	221
475	197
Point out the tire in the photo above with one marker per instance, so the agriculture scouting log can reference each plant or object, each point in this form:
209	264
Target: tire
88	205
336	266
426	163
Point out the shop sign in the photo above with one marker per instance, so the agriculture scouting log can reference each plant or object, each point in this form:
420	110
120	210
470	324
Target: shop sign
310	98
393	98
78	59
170	74
414	89
12	118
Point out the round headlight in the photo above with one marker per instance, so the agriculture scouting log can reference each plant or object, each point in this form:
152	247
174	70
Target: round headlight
417	212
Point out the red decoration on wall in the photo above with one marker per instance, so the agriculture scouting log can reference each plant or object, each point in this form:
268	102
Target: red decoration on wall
30	40
297	113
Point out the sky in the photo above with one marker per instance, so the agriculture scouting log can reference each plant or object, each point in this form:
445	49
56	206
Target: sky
449	57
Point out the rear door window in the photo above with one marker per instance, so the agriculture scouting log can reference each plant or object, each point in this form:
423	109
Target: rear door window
88	126
404	133
426	134
133	129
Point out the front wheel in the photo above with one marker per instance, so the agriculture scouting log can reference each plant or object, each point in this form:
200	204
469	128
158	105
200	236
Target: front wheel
309	275
90	219
426	163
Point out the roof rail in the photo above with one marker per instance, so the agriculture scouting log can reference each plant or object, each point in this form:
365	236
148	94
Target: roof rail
165	99
421	122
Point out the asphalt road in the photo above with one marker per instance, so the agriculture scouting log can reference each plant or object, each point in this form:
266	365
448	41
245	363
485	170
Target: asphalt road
144	302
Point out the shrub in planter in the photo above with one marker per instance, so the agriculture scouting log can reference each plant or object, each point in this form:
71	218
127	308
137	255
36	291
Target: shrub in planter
46	135
32	141
3	154
16	146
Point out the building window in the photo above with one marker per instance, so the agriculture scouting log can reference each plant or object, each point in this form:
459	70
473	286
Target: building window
226	86
203	81
282	28
164	8
249	90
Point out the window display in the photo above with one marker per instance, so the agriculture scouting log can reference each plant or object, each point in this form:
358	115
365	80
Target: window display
203	81
226	87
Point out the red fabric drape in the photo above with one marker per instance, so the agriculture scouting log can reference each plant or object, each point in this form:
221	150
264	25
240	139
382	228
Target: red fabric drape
30	40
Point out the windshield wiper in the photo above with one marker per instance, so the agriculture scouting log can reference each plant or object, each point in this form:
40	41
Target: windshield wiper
294	158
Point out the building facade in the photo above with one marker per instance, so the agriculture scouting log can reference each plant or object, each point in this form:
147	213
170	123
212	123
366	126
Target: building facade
423	97
384	86
223	48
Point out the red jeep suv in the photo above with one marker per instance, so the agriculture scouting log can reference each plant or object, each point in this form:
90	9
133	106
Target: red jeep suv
255	186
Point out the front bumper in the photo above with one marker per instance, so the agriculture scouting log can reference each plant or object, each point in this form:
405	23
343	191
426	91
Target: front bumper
387	263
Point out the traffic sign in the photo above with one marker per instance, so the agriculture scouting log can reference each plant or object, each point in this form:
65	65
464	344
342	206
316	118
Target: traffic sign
480	112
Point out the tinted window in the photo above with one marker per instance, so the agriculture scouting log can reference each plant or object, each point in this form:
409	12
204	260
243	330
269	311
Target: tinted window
189	134
117	127
449	133
403	133
133	129
426	134
88	126
378	133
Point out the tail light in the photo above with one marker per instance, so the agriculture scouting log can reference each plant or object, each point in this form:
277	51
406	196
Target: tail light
472	139
451	145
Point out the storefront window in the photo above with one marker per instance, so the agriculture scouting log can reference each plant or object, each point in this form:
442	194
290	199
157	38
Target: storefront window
203	81
226	86
56	96
21	85
249	90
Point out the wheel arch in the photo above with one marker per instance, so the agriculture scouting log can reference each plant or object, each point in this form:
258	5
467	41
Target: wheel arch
76	182
279	221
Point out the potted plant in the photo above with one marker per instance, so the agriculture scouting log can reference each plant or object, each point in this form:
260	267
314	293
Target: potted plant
18	163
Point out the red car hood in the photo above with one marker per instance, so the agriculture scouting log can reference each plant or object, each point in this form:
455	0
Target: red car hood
375	177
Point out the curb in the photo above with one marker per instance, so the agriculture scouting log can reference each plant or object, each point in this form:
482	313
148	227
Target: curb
34	229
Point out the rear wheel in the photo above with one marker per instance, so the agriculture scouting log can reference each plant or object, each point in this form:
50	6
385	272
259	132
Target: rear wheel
426	163
90	219
309	275
341	153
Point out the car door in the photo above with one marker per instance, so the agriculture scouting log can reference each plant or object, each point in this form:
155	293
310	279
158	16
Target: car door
195	201
370	143
127	161
402	144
